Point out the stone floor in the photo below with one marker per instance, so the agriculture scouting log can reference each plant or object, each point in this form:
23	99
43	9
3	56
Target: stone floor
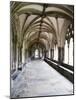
39	79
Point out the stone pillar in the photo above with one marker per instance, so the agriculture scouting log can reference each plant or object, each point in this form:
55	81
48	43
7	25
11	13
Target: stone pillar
14	57
14	50
19	56
60	54
52	53
17	64
27	53
73	40
44	53
68	41
23	53
48	53
68	53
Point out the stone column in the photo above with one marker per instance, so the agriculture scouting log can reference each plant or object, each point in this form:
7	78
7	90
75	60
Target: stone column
19	56
47	53
44	53
52	53
73	40
14	56
68	53
13	53
68	41
60	54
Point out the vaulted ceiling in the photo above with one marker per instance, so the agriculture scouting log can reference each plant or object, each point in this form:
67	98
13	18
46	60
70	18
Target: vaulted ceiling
43	23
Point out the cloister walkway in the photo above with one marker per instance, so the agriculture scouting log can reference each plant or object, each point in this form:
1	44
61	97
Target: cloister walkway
37	78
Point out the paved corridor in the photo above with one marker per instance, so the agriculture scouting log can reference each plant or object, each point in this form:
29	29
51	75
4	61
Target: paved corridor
39	79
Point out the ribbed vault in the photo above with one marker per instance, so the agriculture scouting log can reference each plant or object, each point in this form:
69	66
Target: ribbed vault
28	18
35	23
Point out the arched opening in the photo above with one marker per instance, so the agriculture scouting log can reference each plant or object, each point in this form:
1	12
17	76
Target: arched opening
71	52
36	53
42	38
